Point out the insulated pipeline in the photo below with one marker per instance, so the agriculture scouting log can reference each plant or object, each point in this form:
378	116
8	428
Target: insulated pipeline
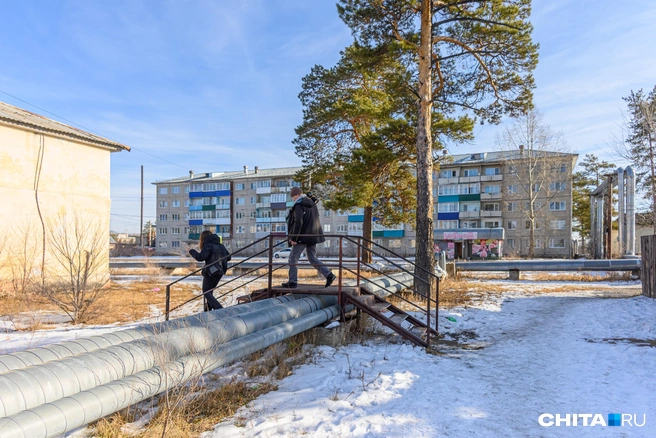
69	413
23	389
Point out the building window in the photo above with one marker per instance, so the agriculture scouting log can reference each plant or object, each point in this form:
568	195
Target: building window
253	186
538	243
326	213
253	200
175	203
163	190
558	224
175	190
239	186
263	184
468	224
447	207
491	224
536	188
512	206
557	205
469	206
470	172
187	189
355	226
491	207
342	228
240	201
163	231
240	230
512	189
326	228
512	225
163	245
512	169
492	189
536	206
448	174
556	243
447	224
563	167
395	243
511	243
279	228
175	230
253	214
449	189
557	187
489	171
239	215
326	244
163	204
175	244
163	217
187	202
175	217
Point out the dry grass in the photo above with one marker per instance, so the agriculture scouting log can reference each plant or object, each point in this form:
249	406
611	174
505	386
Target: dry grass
118	303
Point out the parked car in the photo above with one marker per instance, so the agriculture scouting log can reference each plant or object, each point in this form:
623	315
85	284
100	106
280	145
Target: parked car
284	254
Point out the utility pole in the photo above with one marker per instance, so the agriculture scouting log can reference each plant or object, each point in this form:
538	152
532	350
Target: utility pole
141	217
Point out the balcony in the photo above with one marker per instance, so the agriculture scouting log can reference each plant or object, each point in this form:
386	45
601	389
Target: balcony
224	235
444	181
263	190
469	214
491	178
485	196
261	234
263	220
355	233
277	219
470	179
263	205
280	189
491	213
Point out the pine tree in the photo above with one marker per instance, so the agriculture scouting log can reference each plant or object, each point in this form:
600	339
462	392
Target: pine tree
471	56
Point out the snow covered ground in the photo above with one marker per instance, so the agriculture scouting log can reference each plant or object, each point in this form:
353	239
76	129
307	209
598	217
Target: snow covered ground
568	353
519	355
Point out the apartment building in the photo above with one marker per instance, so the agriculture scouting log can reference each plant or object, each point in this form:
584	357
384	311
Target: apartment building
482	208
509	192
244	206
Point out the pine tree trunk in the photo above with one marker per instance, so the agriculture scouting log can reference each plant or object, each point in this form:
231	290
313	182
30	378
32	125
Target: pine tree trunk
367	233
424	229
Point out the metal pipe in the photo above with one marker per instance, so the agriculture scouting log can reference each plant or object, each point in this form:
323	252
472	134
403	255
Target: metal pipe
22	359
621	215
69	413
51	381
593	225
600	226
630	211
553	265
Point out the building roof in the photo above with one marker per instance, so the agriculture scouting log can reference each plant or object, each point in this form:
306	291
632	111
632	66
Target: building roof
494	157
14	116
233	175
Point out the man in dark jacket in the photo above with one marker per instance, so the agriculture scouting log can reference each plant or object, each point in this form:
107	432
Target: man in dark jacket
304	230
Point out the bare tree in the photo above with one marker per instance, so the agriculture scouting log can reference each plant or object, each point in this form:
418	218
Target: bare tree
77	267
22	259
639	144
535	155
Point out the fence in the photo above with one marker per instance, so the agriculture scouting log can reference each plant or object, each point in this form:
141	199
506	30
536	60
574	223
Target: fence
648	244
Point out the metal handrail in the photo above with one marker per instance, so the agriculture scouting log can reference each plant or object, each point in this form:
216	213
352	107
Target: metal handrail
359	243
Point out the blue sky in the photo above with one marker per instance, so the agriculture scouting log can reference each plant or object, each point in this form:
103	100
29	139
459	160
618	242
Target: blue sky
213	85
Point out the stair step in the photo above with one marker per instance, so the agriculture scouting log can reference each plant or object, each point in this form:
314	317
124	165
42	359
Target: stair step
399	318
419	331
369	300
380	307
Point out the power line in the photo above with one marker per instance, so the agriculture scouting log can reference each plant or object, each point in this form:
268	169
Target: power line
91	131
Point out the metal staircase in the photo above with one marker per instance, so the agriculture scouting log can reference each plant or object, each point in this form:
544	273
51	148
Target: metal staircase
365	294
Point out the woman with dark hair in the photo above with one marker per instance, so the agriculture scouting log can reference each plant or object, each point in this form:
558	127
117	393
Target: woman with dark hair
211	250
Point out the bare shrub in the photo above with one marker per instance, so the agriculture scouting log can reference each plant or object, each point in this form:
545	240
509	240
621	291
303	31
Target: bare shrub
23	260
78	266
